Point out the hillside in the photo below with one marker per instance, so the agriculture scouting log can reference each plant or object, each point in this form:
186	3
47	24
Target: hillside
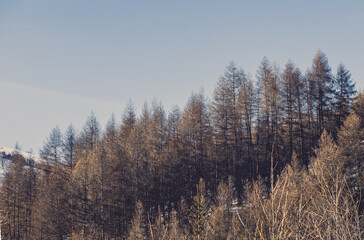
6	155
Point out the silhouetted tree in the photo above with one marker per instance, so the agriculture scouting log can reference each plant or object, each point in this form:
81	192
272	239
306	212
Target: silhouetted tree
344	94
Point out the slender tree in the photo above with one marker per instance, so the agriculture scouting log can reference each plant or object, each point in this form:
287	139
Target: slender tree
91	132
269	137
344	94
227	114
69	147
138	224
52	149
322	91
196	133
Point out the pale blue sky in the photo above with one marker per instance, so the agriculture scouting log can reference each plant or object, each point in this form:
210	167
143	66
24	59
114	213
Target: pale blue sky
60	59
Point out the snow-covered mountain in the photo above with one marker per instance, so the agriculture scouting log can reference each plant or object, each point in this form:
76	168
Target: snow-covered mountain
6	155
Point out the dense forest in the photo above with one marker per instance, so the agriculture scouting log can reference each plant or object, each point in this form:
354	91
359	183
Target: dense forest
277	157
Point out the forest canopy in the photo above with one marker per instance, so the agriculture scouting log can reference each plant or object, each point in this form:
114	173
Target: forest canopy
278	157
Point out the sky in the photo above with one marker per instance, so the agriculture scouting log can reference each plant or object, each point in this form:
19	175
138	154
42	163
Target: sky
60	60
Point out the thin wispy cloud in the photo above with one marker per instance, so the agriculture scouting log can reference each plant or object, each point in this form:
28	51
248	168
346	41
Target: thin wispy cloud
29	113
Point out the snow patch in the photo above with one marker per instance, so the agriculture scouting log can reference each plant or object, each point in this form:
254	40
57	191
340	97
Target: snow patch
5	159
26	155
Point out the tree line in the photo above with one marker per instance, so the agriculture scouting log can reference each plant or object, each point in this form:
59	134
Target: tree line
275	158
